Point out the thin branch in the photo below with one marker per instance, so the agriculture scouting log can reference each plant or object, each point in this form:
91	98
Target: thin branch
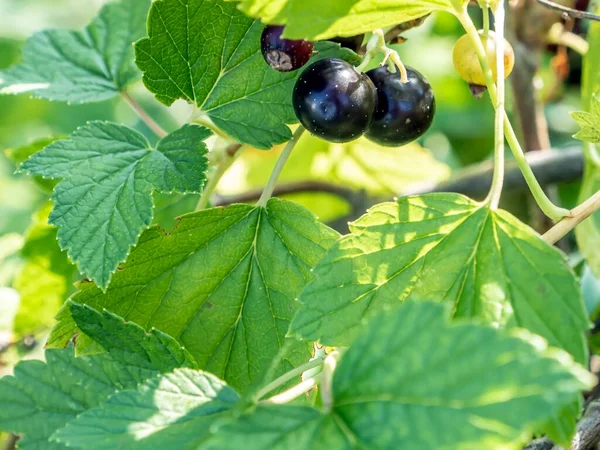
149	121
286	189
578	215
570	12
549	166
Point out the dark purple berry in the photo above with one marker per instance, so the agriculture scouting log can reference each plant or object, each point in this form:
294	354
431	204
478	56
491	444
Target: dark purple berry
284	55
404	111
333	101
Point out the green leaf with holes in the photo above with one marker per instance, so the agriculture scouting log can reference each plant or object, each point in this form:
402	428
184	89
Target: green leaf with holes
104	199
208	53
174	411
341	17
448	248
90	65
224	283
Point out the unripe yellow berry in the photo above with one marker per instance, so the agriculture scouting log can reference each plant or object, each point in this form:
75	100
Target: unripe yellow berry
467	64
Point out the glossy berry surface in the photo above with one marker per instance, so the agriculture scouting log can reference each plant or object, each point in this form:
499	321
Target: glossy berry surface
333	101
284	55
404	111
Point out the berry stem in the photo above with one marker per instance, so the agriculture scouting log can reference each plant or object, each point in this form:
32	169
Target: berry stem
493	198
550	209
377	45
149	121
313	363
578	215
229	156
285	154
327	381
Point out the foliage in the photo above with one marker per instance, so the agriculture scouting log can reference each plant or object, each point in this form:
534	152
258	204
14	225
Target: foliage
436	322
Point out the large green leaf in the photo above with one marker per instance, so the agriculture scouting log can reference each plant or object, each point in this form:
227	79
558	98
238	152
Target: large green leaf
208	53
414	380
104	200
451	385
340	17
46	278
42	397
90	65
173	411
224	283
128	343
448	248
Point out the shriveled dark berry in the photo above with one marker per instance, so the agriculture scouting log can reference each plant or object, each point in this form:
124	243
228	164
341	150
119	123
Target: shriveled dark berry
284	55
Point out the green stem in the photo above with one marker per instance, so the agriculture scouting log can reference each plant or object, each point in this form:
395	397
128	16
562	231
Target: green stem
545	204
141	112
287	377
493	198
295	392
377	45
229	157
285	154
486	19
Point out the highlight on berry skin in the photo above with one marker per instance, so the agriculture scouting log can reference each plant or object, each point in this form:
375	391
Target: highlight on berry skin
284	55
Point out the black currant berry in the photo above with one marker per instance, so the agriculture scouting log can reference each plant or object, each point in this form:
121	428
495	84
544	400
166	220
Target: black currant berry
404	111
333	101
284	55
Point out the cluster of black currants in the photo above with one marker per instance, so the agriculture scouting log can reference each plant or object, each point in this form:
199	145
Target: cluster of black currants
335	102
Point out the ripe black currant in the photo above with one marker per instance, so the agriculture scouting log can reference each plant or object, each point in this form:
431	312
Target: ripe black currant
404	111
284	55
333	101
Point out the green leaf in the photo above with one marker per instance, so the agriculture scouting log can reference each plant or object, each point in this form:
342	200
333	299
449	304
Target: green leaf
340	17
414	380
42	397
208	53
90	65
448	248
104	200
21	154
224	283
282	427
589	123
128	343
494	390
46	278
173	411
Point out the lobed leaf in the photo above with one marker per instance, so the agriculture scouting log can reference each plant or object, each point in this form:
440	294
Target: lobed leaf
208	54
104	199
90	65
448	248
174	411
223	283
589	123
